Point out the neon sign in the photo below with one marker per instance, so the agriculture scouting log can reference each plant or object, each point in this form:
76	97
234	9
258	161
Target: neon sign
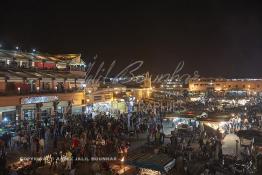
39	99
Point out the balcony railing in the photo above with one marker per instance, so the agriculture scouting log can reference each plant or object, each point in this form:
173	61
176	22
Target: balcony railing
55	69
41	91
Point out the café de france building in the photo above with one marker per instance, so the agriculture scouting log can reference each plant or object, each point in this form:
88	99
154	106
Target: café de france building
35	85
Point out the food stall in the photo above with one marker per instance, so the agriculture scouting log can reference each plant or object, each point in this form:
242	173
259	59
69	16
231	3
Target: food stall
214	122
22	166
184	118
108	107
254	138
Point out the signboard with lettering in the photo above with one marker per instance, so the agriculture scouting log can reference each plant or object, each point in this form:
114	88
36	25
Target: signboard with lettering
39	99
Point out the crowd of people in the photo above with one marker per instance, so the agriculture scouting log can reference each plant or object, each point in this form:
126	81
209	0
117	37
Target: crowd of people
69	140
78	137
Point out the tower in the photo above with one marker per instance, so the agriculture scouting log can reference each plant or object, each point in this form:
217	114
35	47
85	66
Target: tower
147	80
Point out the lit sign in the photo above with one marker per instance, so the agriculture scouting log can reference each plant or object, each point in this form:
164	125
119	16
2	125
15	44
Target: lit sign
44	99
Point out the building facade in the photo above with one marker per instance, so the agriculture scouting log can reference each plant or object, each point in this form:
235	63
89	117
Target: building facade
251	86
36	85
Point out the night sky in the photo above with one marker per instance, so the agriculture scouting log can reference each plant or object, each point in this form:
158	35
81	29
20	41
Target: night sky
215	38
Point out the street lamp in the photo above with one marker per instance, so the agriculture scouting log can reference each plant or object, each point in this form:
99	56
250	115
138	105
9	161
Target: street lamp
122	163
5	119
19	90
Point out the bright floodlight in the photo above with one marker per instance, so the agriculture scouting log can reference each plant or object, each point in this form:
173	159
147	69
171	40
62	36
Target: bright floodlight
16	47
34	50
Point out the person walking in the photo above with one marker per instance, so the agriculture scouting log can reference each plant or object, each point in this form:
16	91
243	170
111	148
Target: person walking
42	146
68	160
53	162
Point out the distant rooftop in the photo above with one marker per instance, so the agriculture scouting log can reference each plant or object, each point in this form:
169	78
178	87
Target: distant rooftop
19	55
227	79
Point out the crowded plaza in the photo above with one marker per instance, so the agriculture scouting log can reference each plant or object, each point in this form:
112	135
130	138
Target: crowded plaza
55	119
153	135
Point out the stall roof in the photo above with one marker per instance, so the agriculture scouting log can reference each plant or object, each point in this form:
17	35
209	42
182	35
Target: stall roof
216	117
188	114
251	134
158	162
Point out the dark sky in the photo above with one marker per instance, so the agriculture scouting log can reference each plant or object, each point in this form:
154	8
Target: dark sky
216	38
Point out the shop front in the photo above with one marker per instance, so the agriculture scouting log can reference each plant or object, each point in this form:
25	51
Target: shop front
29	112
77	109
38	107
61	107
7	114
7	119
47	110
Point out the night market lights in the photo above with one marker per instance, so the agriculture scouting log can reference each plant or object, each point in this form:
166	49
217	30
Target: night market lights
151	89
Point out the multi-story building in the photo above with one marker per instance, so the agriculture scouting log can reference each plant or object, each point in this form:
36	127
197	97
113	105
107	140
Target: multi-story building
115	96
251	86
34	85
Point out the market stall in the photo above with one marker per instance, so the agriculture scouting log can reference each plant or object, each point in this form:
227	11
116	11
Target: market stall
181	119
214	122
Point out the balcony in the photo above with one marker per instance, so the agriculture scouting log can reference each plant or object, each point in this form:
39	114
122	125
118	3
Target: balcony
34	69
40	92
